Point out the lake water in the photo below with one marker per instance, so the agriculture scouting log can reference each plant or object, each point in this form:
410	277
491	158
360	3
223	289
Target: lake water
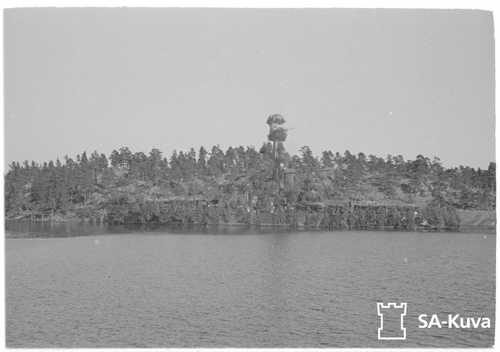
130	287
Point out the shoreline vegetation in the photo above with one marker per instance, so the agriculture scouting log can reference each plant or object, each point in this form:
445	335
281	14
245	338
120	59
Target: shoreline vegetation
464	220
468	220
253	187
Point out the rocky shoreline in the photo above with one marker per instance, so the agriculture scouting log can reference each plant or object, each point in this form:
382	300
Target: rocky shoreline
298	216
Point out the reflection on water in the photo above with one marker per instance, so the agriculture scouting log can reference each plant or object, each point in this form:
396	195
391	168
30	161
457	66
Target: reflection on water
158	287
26	229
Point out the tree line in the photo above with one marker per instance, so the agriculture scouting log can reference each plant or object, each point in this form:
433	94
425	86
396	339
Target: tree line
61	185
241	177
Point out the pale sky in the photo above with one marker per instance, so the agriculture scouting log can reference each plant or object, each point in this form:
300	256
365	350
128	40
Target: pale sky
375	81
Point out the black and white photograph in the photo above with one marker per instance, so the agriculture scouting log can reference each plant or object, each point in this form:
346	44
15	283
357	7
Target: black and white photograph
212	177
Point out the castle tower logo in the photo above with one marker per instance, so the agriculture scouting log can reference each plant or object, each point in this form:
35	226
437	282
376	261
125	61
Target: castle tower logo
391	321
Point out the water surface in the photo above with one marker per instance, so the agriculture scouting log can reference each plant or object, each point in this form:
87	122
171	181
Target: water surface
117	287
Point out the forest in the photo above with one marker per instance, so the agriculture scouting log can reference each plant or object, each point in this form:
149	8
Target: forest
246	185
